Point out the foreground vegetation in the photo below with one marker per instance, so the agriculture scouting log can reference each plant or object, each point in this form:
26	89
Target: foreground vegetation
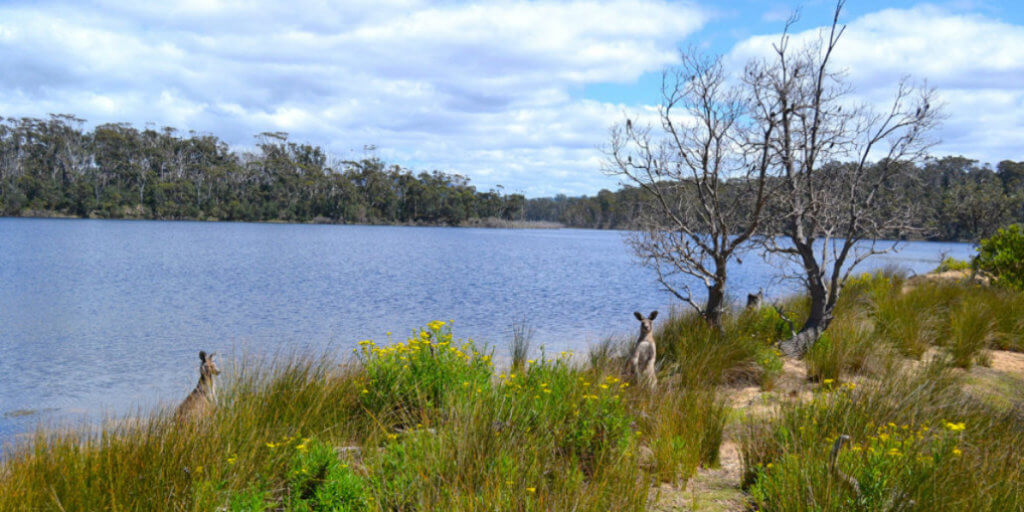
431	424
923	433
425	424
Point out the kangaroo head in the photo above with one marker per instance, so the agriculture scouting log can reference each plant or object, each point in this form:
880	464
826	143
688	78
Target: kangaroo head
208	368
646	324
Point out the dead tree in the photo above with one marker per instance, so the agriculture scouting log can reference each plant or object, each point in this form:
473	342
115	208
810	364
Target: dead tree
825	215
702	172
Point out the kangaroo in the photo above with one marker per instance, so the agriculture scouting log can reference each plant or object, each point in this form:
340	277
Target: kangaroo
204	397
754	300
641	362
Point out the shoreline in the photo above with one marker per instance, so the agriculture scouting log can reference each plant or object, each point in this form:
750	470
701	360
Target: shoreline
488	223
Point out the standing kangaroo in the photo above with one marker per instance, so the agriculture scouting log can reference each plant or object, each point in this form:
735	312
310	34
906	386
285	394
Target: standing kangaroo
641	362
202	399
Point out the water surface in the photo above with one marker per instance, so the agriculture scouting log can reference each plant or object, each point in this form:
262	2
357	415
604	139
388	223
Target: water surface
107	317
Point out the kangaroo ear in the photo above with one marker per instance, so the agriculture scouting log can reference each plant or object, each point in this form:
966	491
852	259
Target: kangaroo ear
202	356
653	314
638	315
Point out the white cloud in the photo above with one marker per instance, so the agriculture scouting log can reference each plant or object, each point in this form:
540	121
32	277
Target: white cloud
478	89
975	63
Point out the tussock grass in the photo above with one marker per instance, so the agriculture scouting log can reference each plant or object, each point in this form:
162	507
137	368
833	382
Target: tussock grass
742	351
918	443
920	439
847	347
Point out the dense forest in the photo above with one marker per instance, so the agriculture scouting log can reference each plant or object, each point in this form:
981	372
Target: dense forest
953	198
55	167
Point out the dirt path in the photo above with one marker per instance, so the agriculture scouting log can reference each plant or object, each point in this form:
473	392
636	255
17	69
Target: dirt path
718	489
1011	363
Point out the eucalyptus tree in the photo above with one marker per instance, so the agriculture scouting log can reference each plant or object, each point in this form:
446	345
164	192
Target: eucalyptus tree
702	175
829	217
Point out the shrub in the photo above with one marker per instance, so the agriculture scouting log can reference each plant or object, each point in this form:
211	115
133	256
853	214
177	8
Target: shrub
318	480
1002	255
950	263
423	373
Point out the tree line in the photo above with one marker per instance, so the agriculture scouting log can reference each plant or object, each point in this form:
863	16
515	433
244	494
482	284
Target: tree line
53	166
954	199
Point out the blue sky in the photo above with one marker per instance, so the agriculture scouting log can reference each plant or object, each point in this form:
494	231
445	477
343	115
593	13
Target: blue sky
737	21
507	92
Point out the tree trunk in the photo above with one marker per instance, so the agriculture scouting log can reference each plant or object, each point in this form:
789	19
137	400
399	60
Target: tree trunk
715	305
819	319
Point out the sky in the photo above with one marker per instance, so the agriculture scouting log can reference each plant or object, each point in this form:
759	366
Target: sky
512	93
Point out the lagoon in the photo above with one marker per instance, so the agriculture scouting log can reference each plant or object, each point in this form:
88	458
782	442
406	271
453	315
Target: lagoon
102	317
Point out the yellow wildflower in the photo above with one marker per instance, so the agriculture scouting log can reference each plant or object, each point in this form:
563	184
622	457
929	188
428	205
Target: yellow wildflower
531	489
955	427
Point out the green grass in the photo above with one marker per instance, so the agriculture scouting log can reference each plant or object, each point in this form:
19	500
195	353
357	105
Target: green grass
743	351
426	424
924	437
919	443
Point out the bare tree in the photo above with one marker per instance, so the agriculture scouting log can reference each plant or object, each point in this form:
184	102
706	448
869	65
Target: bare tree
826	215
702	171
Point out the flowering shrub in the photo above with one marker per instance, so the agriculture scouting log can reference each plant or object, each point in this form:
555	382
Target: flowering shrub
914	443
423	372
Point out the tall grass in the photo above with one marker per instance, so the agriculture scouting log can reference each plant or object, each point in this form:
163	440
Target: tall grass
520	343
742	351
971	329
847	347
426	424
918	443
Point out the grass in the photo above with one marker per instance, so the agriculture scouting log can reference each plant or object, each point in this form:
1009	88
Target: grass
741	352
425	424
919	443
520	343
430	424
924	437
